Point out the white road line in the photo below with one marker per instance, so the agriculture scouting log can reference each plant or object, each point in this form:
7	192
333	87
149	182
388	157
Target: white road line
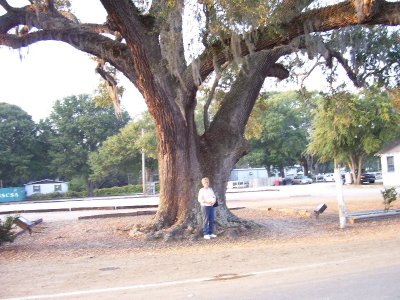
180	282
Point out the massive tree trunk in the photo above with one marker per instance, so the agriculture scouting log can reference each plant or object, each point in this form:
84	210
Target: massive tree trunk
184	157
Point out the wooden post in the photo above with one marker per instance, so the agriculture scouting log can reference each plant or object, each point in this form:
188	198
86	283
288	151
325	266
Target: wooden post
339	196
143	168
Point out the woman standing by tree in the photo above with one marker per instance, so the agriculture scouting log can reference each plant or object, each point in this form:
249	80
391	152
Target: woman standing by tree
207	200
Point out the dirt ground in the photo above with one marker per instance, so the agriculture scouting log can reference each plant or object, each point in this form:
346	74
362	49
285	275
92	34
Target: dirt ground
82	254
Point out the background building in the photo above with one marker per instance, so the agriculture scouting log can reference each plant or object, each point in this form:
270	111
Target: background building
46	186
390	161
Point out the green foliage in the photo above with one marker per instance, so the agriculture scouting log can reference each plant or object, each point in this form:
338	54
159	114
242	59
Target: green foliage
75	194
77	184
17	145
348	127
373	48
277	130
6	234
102	97
389	196
47	196
331	134
122	152
237	16
113	191
394	95
79	128
116	191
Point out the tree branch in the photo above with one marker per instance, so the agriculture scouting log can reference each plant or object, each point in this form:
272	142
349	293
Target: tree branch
291	8
346	66
50	5
123	15
111	85
239	101
5	5
218	75
343	14
206	121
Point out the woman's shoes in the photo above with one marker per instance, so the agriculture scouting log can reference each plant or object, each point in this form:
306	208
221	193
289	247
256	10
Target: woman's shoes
209	236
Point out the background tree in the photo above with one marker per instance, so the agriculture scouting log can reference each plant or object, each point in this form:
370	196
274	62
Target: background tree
41	163
145	41
278	130
17	145
122	153
79	127
348	127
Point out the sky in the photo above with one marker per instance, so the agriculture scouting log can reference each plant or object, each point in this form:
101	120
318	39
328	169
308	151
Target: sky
35	77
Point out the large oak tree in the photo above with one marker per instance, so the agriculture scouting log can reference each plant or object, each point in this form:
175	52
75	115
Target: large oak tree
144	40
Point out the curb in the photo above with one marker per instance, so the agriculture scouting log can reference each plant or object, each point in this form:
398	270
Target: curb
117	215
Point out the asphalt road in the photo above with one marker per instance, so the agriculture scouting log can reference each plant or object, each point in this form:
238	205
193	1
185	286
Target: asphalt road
305	282
337	268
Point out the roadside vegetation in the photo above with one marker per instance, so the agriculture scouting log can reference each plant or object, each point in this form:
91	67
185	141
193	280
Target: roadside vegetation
301	128
389	196
6	232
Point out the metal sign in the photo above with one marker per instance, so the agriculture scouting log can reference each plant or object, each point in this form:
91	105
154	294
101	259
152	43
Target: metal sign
12	194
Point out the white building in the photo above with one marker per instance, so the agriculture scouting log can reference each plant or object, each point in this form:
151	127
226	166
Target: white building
390	161
46	186
251	177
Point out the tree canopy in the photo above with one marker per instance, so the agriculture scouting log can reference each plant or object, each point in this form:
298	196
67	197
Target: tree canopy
79	126
17	145
348	127
278	129
147	41
122	152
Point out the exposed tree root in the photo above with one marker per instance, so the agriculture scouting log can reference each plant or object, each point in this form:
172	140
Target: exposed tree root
191	229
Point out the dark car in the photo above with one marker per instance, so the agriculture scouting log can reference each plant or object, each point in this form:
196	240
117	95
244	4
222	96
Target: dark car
367	178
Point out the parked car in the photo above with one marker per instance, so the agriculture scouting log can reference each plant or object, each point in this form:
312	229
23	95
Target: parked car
286	180
367	178
378	175
329	177
301	179
318	177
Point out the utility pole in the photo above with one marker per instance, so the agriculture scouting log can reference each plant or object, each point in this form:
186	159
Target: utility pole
339	195
143	167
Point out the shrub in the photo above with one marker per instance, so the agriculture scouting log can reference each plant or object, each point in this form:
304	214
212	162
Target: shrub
117	191
77	184
113	191
389	196
6	234
74	194
38	197
46	196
